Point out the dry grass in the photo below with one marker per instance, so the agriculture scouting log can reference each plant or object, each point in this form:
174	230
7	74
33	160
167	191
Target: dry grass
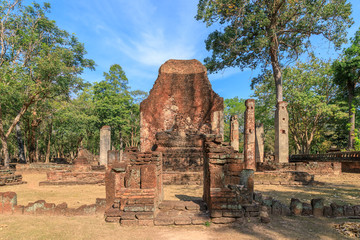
94	227
340	189
74	196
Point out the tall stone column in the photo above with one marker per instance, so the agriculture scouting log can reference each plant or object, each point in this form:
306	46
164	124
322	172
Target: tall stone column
259	142
234	132
281	133
105	144
249	135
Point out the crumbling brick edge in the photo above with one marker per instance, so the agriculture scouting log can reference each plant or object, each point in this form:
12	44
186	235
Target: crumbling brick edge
8	205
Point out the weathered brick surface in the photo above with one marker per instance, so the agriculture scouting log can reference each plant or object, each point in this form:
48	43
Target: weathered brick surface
182	100
249	135
74	178
312	168
134	187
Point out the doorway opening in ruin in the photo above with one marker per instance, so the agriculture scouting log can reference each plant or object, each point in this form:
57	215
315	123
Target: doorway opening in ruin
183	160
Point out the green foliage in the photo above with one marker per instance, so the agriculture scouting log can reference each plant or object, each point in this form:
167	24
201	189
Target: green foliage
313	109
347	76
347	69
234	106
253	29
115	105
38	61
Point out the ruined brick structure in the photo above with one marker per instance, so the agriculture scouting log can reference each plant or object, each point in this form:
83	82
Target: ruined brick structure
259	142
224	195
8	205
234	132
181	143
83	171
134	188
249	134
281	133
105	144
181	107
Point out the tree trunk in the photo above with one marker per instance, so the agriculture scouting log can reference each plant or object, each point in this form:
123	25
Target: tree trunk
37	154
121	145
20	143
351	89
5	150
32	137
48	146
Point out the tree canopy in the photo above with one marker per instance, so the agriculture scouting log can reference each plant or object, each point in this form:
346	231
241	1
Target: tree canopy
347	76
38	61
262	32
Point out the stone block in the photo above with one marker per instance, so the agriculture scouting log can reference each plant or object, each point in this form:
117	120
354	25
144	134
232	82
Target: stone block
129	222
337	210
9	201
200	219
285	210
223	220
276	208
216	213
356	210
349	210
144	215
113	212
318	207
148	176
264	217
251	207
258	197
182	220
296	207
307	209
234	213
128	216
327	211
146	222
164	221
112	219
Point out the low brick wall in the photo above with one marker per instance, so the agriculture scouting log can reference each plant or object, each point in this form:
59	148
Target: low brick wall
315	168
9	205
182	178
8	177
71	178
350	167
42	167
283	178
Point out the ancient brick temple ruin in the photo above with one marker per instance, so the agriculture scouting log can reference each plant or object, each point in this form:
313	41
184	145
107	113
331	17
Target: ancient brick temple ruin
181	143
180	109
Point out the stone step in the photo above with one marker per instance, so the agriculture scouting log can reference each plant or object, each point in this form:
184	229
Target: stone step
182	213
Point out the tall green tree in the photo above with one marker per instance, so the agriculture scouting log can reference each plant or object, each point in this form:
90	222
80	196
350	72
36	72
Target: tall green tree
347	76
114	105
261	32
37	61
311	95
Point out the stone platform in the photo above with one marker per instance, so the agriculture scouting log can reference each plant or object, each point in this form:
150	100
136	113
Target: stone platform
8	177
182	213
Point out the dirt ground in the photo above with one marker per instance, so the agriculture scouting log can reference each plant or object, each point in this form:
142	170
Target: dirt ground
94	227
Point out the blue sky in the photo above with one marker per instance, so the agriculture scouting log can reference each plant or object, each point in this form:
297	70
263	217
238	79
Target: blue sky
140	35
